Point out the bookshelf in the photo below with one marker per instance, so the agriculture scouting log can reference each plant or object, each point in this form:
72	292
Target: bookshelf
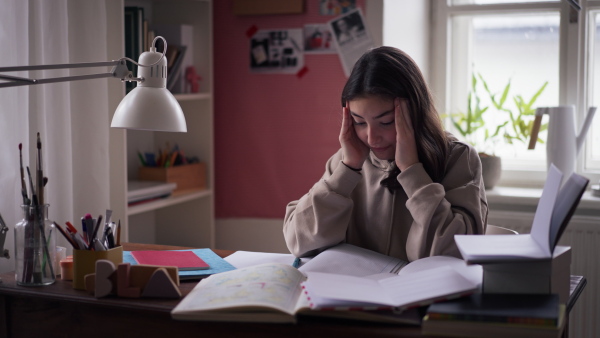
186	218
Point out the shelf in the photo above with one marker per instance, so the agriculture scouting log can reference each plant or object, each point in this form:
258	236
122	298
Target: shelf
169	201
191	97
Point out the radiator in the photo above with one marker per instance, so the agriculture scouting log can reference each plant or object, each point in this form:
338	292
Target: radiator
583	236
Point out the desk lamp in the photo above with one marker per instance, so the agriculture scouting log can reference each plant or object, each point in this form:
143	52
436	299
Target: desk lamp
149	106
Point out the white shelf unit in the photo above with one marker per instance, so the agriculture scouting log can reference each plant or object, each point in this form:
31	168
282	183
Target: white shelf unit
184	219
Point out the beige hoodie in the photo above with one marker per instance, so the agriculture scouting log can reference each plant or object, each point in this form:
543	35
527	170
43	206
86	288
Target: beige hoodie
417	221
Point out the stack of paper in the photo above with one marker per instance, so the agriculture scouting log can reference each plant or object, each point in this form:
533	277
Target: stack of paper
140	191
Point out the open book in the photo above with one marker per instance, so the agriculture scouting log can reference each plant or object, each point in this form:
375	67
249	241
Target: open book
273	292
553	213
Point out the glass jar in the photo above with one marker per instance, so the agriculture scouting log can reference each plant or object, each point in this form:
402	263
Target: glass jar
35	247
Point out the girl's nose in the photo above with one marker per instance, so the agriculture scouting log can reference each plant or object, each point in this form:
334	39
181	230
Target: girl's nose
372	136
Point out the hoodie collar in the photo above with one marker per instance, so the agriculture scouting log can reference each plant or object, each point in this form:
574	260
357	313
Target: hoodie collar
384	165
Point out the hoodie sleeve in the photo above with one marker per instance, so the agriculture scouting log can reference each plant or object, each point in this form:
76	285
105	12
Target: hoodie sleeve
457	205
320	218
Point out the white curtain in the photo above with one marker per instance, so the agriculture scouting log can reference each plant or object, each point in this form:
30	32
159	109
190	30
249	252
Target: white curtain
72	118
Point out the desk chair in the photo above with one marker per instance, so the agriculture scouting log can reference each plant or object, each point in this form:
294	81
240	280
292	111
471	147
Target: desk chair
496	230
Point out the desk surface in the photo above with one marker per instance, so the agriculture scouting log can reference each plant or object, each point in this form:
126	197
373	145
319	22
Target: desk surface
60	309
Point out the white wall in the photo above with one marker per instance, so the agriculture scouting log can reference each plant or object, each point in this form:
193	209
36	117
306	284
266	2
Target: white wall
406	26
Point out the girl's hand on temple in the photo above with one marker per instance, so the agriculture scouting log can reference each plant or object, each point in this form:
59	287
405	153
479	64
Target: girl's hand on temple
354	151
406	147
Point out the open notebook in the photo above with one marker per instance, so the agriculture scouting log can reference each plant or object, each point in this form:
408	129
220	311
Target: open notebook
355	289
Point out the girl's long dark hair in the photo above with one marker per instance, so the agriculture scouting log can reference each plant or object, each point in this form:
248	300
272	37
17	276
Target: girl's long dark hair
391	73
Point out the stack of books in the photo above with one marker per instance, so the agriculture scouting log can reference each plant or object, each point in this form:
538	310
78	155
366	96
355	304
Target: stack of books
497	315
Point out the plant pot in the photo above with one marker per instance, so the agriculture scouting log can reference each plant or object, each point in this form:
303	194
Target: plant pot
491	170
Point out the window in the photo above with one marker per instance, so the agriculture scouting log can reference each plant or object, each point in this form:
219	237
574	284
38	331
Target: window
545	47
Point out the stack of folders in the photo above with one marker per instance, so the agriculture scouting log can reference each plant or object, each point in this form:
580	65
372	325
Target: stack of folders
497	315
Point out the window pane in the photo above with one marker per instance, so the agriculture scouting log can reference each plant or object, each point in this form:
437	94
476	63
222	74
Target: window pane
522	49
593	153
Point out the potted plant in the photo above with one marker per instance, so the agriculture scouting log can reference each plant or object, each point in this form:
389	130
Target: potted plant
510	125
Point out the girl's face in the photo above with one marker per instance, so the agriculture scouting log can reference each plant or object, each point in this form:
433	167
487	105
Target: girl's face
373	119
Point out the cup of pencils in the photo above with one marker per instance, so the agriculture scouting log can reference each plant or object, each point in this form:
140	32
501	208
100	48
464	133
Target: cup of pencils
35	247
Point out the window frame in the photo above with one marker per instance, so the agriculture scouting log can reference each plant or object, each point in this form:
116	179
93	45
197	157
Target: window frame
574	84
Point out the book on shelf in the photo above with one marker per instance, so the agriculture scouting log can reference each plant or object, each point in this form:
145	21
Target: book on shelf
182	36
134	38
553	213
215	264
456	328
276	292
182	259
524	309
175	72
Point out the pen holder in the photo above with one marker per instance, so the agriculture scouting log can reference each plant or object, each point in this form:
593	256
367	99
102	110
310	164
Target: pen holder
35	247
84	262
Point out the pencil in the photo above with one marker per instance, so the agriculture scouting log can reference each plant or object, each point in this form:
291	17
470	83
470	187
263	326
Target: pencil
40	172
119	234
95	233
64	233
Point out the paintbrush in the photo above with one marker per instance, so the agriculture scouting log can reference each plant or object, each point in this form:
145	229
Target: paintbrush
34	200
23	184
40	172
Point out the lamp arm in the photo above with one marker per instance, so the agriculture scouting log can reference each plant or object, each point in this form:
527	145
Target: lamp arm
119	71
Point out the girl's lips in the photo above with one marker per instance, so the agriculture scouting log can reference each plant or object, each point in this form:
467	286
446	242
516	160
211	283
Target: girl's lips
379	149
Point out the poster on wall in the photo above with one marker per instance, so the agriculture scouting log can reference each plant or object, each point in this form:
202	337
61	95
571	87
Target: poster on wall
318	39
351	38
336	7
276	51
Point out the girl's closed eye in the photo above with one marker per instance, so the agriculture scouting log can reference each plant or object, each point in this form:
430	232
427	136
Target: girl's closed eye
388	123
357	123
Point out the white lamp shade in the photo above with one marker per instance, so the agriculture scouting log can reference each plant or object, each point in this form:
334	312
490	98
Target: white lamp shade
147	108
150	106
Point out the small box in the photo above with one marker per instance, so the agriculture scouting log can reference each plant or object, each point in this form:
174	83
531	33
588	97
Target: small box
544	276
187	176
84	262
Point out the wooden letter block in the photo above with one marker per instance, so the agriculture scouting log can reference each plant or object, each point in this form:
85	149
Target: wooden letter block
161	285
123	288
139	275
104	285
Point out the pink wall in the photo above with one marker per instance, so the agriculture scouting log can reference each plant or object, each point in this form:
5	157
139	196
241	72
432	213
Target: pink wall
273	132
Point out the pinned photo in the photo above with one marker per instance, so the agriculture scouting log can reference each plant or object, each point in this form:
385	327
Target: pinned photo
318	39
277	51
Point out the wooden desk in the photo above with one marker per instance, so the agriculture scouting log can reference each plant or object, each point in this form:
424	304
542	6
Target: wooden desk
59	310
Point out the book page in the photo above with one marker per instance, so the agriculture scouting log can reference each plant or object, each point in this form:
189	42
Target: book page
498	248
350	260
566	203
427	286
422	287
242	259
472	272
275	286
540	230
